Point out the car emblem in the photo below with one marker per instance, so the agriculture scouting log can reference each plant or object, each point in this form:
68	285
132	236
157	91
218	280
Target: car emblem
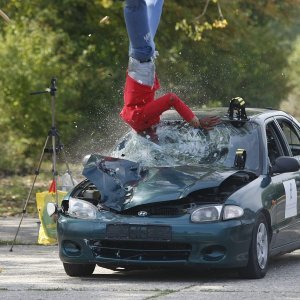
142	213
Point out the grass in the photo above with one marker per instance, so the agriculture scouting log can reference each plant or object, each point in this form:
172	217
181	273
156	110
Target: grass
14	190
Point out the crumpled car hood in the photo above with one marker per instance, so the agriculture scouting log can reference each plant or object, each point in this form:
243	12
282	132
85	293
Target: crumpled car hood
124	184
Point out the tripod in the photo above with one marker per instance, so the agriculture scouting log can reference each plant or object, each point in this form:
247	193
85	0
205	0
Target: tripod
54	150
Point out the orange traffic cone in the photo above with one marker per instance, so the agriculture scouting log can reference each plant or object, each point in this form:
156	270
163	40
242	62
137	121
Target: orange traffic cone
52	188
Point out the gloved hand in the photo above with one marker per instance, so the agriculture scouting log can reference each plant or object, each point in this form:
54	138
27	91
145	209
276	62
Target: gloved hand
208	123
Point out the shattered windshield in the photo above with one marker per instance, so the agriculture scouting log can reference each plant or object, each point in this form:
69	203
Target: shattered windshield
180	144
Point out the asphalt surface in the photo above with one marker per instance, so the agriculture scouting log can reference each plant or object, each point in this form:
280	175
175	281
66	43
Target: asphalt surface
27	234
33	271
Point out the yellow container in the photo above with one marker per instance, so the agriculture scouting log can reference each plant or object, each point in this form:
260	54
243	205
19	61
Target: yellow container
47	231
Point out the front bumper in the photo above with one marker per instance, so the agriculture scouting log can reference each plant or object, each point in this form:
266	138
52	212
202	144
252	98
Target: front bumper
215	244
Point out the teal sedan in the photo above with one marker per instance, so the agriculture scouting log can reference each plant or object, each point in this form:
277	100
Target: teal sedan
224	198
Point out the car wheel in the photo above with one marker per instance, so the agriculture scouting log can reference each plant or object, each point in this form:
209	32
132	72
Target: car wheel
77	270
259	250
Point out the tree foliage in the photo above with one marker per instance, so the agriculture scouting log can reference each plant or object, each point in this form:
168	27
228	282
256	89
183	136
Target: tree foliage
206	57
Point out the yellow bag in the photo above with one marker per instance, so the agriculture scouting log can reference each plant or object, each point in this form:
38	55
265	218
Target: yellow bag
47	232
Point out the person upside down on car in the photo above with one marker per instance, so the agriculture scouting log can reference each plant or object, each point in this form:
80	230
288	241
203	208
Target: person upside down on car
141	110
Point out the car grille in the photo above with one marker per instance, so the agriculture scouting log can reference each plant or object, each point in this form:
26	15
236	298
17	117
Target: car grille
140	250
155	211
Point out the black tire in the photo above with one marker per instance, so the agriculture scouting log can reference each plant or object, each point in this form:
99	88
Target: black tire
79	270
259	250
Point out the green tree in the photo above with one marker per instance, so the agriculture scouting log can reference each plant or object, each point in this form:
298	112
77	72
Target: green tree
292	71
244	58
63	39
84	44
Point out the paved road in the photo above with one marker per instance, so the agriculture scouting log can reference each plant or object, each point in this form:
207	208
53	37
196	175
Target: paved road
35	272
28	233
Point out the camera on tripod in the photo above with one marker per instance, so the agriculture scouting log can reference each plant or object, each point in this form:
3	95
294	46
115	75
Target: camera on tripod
56	147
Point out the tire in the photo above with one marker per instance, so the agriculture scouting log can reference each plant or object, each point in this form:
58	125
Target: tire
79	270
259	250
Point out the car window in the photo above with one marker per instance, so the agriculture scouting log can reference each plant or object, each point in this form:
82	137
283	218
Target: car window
273	145
292	135
180	144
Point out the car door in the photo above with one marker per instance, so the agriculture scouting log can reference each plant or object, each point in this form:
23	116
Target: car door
291	132
283	188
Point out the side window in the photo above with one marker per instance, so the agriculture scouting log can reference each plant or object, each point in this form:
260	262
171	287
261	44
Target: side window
292	135
273	145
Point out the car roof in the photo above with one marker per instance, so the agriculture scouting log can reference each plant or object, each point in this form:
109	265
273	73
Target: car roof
257	114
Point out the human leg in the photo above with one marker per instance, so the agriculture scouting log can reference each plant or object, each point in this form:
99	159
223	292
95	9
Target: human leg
138	29
154	9
139	26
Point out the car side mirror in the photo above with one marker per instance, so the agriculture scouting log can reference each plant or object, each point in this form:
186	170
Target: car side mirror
285	164
85	159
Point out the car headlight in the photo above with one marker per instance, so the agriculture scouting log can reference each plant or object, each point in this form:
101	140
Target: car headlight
81	209
232	212
206	214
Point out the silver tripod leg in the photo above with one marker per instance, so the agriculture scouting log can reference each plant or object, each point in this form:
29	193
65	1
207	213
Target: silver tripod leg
37	171
54	160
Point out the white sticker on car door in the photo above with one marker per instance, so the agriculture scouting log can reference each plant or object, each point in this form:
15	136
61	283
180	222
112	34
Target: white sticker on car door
291	198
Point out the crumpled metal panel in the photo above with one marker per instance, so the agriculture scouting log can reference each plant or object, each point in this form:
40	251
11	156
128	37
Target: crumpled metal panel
113	177
124	184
